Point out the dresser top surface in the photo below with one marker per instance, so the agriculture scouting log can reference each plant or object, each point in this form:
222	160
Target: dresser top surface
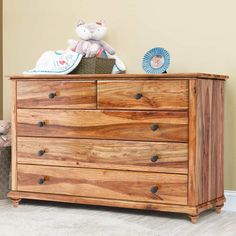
122	76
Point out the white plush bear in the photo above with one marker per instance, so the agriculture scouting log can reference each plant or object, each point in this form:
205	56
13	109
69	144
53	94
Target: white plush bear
91	44
90	35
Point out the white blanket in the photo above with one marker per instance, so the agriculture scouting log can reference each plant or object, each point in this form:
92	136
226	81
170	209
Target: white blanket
56	62
64	62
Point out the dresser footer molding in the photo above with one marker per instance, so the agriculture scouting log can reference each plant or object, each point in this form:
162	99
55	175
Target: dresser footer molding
218	209
15	201
191	211
193	218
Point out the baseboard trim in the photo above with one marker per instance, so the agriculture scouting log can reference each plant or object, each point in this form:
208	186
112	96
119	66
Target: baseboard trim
230	204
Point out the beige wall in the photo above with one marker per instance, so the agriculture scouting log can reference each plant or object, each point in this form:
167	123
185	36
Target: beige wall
1	73
200	36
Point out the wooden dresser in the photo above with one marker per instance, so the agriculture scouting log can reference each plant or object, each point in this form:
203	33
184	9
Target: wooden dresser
151	142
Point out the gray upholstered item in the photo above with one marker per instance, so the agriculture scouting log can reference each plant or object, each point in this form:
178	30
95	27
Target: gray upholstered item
5	163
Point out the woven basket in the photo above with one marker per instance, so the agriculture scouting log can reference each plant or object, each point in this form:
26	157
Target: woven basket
94	65
5	163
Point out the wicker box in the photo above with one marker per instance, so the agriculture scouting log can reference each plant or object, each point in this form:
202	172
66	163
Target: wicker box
95	65
5	166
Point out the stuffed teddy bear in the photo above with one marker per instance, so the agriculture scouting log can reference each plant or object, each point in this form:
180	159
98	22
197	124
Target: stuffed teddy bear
90	35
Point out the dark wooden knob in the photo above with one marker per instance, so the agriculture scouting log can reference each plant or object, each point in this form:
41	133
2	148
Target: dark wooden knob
138	96
41	152
154	158
154	189
41	180
154	127
41	123
52	95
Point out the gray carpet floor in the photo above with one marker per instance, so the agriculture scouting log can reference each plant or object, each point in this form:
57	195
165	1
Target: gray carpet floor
35	218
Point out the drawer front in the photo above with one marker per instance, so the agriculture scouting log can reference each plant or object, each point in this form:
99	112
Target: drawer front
143	95
138	125
56	94
110	184
107	154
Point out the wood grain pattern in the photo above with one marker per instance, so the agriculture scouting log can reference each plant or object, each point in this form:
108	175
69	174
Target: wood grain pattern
192	188
211	204
218	209
125	125
121	76
107	154
73	95
13	136
102	157
208	168
218	139
124	185
117	203
194	218
156	95
15	202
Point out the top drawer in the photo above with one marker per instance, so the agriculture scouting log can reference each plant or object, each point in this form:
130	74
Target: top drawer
56	94
143	95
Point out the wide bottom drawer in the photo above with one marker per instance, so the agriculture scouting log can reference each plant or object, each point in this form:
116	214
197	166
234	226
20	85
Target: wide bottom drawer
110	184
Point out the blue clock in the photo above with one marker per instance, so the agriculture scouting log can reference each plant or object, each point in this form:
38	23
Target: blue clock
156	61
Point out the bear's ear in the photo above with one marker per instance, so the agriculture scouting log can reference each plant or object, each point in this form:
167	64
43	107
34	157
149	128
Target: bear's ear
81	22
101	22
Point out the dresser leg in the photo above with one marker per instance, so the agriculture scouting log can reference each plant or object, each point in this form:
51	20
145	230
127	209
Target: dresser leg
193	218
218	209
15	202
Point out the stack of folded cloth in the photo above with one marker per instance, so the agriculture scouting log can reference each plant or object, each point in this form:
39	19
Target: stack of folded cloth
5	133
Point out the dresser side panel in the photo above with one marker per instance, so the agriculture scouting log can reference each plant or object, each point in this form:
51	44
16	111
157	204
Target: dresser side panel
218	135
13	133
192	180
208	161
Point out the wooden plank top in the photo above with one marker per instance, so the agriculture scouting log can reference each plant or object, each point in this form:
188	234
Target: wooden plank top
122	76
